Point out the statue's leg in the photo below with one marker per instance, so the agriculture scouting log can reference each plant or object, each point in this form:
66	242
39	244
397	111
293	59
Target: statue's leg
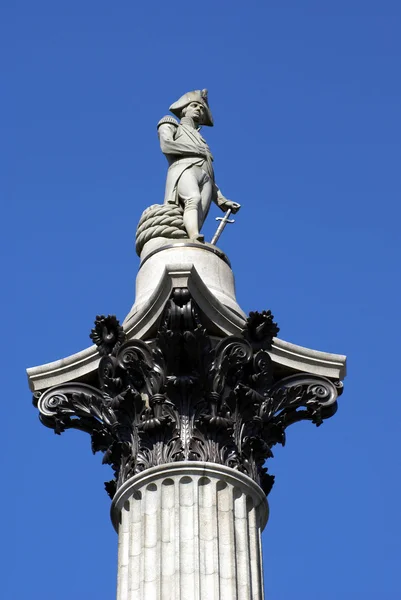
206	198
189	192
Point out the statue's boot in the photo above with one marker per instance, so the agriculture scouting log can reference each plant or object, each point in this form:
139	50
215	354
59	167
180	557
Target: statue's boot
191	224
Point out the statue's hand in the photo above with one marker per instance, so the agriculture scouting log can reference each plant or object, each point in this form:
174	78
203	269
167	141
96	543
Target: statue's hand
234	206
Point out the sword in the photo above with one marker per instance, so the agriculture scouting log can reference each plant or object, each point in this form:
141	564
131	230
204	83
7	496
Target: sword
224	220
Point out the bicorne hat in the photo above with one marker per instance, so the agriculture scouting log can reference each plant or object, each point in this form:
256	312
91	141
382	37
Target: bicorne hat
195	96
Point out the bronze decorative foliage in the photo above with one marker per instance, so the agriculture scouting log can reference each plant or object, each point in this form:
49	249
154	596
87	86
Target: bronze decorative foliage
185	396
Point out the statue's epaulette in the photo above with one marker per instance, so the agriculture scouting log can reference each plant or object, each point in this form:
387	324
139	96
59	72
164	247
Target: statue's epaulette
169	120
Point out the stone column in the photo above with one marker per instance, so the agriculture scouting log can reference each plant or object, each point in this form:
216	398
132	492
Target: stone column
190	531
187	421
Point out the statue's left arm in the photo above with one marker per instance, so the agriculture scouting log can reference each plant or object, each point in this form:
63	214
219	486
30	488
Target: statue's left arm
225	204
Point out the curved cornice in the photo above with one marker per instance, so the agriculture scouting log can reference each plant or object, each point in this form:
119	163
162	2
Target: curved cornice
142	321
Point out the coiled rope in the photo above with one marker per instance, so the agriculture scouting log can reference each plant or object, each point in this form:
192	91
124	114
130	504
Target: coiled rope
160	220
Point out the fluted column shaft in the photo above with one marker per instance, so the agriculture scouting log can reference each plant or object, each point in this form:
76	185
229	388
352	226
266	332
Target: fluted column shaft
190	531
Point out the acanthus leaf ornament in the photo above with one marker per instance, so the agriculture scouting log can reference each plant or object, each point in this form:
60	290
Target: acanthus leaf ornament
260	329
186	396
108	335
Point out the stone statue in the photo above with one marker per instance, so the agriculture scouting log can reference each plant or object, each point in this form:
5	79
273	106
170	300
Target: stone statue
190	178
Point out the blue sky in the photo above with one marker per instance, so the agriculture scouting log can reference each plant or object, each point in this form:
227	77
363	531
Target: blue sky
306	100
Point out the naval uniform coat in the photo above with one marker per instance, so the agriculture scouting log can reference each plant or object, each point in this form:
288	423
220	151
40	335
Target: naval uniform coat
184	147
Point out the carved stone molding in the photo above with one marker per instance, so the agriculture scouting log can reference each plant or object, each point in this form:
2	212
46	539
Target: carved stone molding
185	396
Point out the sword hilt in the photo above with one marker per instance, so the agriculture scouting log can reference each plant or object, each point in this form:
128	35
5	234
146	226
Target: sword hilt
225	220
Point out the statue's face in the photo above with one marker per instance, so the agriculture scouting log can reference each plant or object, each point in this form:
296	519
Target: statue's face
194	110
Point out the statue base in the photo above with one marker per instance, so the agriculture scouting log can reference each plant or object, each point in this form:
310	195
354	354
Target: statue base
202	268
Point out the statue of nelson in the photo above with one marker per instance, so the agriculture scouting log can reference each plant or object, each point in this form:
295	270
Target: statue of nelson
190	177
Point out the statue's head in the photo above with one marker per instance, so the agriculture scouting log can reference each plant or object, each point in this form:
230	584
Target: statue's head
195	105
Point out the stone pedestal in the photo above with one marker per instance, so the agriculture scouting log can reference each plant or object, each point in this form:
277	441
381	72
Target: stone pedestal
211	264
202	268
190	531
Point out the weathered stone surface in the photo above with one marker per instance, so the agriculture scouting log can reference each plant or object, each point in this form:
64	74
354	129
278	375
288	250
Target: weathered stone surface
190	531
